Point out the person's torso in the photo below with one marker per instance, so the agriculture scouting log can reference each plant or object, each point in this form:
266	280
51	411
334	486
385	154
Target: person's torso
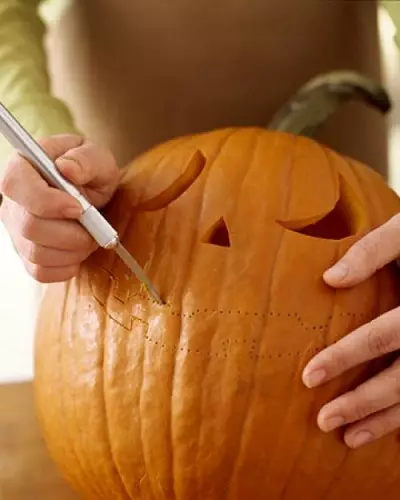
138	72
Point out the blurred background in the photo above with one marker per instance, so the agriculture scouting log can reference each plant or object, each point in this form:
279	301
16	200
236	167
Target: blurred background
20	295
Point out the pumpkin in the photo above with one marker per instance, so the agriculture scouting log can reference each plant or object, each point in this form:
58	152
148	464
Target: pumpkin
202	398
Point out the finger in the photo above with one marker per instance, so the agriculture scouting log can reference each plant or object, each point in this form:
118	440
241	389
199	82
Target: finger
92	167
376	338
49	257
366	256
373	427
374	395
23	185
50	274
56	145
57	234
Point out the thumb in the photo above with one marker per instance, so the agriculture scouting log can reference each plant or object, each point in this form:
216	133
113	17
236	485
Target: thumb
92	168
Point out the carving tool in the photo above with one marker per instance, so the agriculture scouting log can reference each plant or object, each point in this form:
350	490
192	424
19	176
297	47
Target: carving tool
91	219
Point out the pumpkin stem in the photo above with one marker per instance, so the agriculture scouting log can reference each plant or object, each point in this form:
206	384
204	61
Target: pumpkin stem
309	108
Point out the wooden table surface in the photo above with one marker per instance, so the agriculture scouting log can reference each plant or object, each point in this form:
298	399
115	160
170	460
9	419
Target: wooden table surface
26	470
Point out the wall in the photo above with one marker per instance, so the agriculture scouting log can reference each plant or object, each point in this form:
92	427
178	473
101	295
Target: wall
18	303
19	294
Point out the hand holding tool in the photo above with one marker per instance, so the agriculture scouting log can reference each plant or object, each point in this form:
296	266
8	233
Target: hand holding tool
91	219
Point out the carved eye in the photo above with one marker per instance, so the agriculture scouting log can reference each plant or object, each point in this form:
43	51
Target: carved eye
165	185
345	219
218	234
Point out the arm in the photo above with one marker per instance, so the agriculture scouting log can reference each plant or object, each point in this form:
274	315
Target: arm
24	80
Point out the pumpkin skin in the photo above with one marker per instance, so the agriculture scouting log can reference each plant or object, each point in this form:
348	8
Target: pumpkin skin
202	398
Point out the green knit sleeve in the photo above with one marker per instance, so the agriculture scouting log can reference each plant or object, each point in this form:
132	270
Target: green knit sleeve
24	80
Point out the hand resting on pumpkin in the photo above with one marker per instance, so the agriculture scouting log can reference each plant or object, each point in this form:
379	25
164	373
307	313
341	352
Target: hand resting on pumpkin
372	410
40	219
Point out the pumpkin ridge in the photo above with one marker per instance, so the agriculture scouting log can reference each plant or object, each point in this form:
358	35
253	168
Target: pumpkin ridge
72	450
254	135
87	466
264	312
391	485
223	143
330	484
325	342
102	356
226	133
332	313
82	464
113	461
237	441
127	222
150	266
205	175
107	432
364	192
377	276
141	389
293	388
152	259
60	372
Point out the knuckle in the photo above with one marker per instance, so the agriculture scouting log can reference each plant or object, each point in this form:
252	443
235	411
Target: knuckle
391	227
44	140
368	248
46	143
382	425
7	183
84	242
394	221
361	406
41	207
11	176
37	272
3	210
393	378
396	386
338	360
33	253
381	342
28	225
73	271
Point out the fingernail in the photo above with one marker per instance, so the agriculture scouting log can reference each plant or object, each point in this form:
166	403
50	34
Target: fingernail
332	423
72	212
360	438
337	272
314	378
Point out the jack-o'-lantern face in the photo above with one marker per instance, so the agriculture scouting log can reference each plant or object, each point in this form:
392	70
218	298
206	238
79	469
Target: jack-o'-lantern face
201	398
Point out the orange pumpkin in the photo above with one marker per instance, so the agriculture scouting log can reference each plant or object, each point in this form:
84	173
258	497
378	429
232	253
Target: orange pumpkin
202	398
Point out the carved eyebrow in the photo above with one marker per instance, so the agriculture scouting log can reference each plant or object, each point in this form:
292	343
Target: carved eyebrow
178	186
345	219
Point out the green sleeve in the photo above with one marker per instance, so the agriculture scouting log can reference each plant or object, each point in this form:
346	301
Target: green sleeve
393	9
24	80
